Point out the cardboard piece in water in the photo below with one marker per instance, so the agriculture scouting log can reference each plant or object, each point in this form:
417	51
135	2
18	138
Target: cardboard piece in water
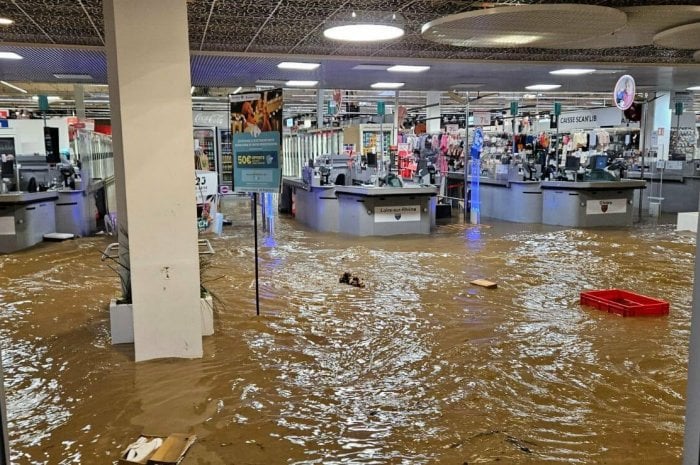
172	451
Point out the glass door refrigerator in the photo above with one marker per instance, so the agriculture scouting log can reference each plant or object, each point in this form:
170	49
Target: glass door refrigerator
205	141
225	158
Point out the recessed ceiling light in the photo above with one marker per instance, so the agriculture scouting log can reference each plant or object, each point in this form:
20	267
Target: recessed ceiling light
301	83
72	76
238	90
572	71
371	67
695	88
363	32
5	21
609	71
298	65
191	90
10	56
543	87
50	98
11	86
387	85
408	69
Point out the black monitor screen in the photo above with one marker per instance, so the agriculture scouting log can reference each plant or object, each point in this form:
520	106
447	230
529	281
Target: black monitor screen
371	159
573	163
51	145
7	169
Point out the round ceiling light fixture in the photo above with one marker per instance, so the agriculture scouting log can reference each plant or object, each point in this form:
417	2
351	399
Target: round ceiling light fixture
363	32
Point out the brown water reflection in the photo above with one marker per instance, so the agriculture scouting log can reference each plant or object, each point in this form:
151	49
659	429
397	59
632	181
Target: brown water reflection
418	367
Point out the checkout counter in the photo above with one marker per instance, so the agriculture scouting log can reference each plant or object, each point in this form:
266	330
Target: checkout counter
569	196
676	182
33	203
337	195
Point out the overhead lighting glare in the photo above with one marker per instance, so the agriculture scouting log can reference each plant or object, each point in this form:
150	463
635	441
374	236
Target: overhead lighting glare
50	98
572	71
363	32
72	76
5	21
298	65
10	56
13	87
694	88
238	90
408	69
543	87
387	85
514	39
191	90
301	83
371	67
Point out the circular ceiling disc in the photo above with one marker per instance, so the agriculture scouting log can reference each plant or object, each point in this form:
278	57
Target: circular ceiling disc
696	56
541	26
685	37
643	23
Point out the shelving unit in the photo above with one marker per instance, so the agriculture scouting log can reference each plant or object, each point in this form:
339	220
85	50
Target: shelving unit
366	138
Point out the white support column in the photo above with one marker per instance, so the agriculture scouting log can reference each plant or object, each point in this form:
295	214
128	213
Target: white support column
149	82
319	108
691	443
657	136
397	123
79	94
433	112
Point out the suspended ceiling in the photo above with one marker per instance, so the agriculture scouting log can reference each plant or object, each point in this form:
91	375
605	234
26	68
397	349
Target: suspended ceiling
240	42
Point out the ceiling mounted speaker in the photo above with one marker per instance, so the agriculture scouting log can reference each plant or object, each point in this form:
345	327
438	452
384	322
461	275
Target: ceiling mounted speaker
540	26
686	37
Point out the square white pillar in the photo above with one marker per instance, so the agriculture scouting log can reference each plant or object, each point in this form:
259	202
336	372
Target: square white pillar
149	81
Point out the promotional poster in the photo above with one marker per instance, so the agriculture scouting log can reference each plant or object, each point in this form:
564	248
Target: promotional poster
256	126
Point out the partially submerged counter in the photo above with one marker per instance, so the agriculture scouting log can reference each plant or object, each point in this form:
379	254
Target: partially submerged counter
25	218
589	204
360	210
516	201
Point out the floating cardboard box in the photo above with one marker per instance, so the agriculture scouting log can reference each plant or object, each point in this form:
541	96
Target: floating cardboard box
171	452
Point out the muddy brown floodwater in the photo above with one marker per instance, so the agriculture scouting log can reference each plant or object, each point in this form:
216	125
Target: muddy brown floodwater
419	367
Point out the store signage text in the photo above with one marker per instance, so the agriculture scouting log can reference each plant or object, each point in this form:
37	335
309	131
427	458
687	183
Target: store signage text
590	119
393	214
606	207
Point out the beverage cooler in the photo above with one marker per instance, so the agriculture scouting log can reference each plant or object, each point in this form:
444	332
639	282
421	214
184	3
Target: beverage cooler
225	158
205	139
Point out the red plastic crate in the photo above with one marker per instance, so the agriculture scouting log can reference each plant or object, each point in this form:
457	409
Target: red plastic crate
624	303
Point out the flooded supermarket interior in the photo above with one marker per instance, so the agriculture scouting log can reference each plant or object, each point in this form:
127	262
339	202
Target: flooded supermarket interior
417	367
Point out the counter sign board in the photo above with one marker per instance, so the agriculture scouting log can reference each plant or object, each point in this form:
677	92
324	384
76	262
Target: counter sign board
256	125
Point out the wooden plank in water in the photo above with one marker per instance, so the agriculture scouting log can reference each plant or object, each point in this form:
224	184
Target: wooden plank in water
484	283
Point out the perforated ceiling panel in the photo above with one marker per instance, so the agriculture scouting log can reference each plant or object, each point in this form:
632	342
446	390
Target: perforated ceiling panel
296	27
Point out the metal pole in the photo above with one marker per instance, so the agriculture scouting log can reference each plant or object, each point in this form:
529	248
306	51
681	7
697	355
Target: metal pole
5	451
466	160
255	228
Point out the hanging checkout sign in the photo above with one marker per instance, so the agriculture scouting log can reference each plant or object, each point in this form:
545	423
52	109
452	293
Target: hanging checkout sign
624	92
256	125
590	119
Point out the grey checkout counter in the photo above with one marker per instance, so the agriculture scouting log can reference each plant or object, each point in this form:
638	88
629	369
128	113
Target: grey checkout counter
76	210
516	201
361	210
25	218
588	204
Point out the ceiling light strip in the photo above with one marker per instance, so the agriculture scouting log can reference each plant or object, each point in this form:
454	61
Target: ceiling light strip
99	34
13	86
257	33
14	2
206	26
